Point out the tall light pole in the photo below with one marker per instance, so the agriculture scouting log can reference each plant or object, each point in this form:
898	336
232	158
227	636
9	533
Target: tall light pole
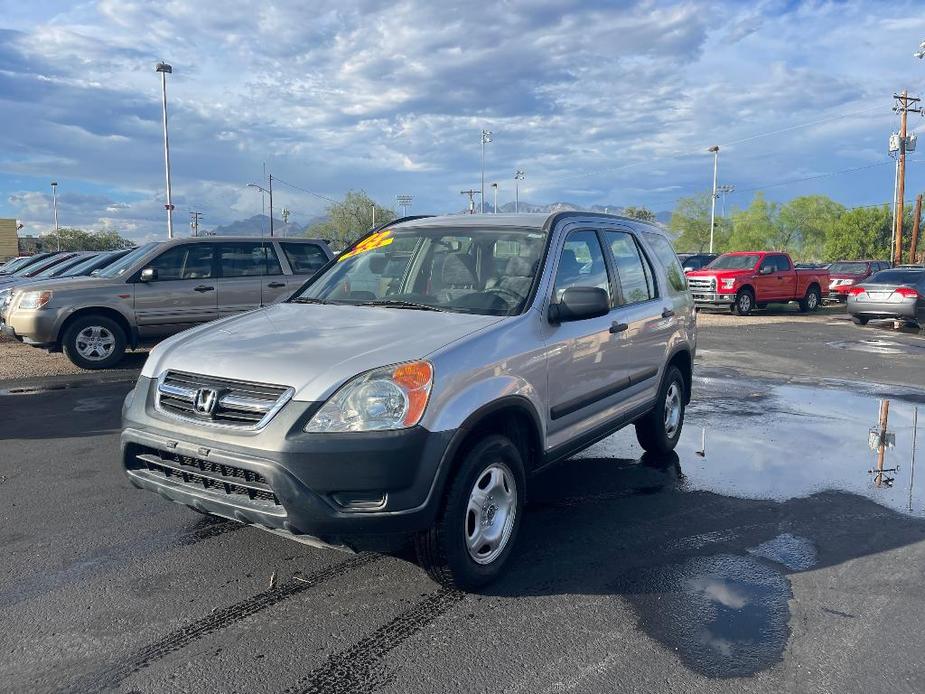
165	70
268	192
486	138
494	188
54	205
518	176
715	150
723	190
404	202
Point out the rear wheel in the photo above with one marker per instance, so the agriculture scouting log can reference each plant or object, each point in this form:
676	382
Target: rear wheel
810	302
660	429
94	342
860	320
745	302
472	539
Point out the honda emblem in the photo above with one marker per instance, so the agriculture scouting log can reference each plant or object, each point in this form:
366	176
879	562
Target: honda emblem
206	401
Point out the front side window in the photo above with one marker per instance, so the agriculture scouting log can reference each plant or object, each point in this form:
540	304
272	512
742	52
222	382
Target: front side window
581	264
633	272
304	258
189	262
434	268
248	259
781	262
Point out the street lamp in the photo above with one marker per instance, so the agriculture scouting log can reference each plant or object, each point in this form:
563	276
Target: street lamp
165	70
715	150
723	190
54	205
270	193
404	201
494	187
518	176
486	138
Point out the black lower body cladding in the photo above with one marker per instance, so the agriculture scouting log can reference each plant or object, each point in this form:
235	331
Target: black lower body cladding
328	486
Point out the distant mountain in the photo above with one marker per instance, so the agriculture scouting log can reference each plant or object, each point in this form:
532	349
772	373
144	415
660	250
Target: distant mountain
259	225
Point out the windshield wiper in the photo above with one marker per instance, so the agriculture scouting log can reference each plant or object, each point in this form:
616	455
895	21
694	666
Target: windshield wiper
398	303
307	300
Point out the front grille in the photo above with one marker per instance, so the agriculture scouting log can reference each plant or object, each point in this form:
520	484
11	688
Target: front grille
702	284
220	401
217	479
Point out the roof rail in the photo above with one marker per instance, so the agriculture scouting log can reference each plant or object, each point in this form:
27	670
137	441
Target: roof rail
401	219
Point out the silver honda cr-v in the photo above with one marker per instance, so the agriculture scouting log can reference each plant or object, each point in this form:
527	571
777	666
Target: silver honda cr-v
416	384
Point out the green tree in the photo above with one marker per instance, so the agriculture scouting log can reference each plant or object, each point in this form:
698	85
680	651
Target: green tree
643	213
756	227
863	232
804	222
80	240
690	225
348	220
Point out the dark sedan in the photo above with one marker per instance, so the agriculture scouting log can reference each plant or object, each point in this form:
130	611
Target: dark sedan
898	294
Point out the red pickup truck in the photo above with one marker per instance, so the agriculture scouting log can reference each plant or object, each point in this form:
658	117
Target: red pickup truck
747	280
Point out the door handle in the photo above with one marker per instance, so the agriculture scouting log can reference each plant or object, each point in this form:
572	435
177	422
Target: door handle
203	288
667	313
616	327
276	285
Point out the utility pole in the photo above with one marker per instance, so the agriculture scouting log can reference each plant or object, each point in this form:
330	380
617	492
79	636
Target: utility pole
494	189
904	104
519	175
194	218
715	150
54	203
471	193
165	69
268	191
486	138
373	205
723	190
916	223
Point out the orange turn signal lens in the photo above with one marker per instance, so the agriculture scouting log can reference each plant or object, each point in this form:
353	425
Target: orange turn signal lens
415	378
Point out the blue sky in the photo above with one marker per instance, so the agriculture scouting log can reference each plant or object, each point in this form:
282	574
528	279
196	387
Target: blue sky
599	102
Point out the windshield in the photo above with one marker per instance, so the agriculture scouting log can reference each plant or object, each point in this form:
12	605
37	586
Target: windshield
486	271
83	267
848	268
897	277
733	262
56	270
35	268
118	268
13	265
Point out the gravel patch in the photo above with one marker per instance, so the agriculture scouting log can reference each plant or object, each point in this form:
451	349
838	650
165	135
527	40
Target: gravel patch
22	361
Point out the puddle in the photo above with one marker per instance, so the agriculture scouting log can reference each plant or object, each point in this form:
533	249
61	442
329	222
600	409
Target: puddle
723	615
780	442
794	552
878	346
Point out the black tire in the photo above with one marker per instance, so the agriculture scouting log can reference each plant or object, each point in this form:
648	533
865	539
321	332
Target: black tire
860	320
78	351
651	431
811	301
745	302
442	551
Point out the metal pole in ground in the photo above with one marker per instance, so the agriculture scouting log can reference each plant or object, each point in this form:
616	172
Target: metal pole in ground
881	449
715	150
916	223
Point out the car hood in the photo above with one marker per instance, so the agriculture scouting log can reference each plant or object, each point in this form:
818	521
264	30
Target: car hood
714	273
313	348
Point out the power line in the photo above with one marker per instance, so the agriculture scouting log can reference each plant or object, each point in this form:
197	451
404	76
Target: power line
817	176
305	190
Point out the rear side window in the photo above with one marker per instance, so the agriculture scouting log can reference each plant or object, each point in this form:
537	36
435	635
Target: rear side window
633	272
666	256
304	258
782	264
898	277
192	262
248	259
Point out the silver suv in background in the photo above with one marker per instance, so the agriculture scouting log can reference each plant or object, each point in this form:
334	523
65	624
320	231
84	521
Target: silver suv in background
156	290
414	387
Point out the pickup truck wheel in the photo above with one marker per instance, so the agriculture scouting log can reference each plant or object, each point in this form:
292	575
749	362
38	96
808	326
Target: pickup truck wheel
94	342
860	320
475	531
660	429
745	302
810	302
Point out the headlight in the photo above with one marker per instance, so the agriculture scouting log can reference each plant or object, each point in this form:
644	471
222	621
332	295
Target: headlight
727	284
33	300
393	397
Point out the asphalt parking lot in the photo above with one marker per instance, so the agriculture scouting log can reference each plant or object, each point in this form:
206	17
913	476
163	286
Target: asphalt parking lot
760	558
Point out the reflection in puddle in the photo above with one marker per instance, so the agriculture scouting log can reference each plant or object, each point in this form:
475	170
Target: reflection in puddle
785	441
878	346
725	616
794	552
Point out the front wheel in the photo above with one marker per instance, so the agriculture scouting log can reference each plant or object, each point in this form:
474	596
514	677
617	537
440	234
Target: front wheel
94	342
660	429
475	531
810	302
745	302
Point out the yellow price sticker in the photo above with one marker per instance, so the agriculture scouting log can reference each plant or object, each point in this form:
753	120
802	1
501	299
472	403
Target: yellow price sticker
377	240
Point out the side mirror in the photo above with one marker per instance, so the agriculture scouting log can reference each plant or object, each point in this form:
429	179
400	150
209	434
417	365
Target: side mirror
149	274
580	303
765	270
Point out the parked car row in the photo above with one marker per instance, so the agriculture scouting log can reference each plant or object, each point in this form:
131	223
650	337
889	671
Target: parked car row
897	293
153	291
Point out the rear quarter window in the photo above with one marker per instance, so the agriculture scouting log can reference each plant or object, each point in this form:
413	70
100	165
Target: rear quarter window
304	258
661	246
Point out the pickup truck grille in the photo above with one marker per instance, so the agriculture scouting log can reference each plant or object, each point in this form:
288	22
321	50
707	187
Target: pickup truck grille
220	480
216	401
702	284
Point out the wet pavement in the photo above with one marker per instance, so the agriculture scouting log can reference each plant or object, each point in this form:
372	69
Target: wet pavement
770	563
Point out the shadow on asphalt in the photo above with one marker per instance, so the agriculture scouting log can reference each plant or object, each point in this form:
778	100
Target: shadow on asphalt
67	413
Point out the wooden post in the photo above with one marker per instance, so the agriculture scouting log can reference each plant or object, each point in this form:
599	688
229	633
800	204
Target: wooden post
881	450
901	182
916	223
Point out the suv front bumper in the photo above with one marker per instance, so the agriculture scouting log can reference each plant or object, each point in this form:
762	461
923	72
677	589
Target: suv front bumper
333	487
